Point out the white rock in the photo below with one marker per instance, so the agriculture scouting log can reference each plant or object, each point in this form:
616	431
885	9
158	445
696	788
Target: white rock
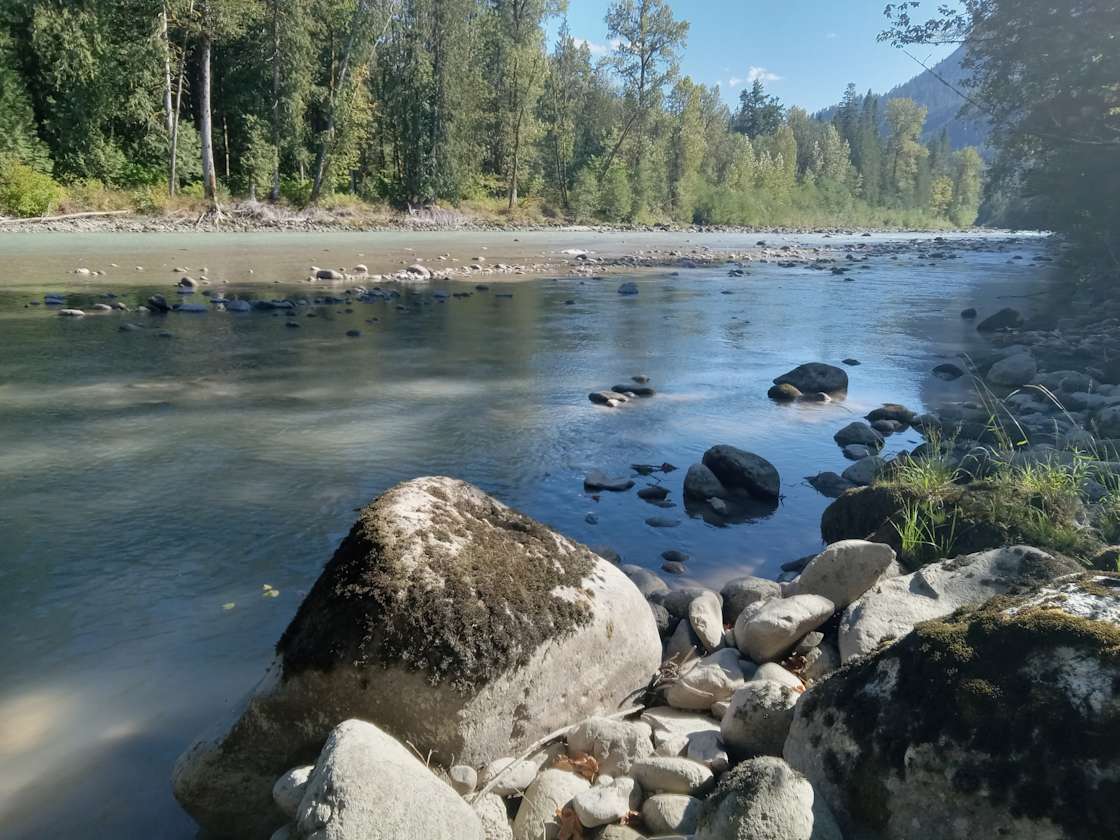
845	570
707	748
659	774
671	813
707	681
769	629
705	613
537	817
464	779
667	723
758	720
774	671
491	810
289	790
605	804
71	313
615	744
513	775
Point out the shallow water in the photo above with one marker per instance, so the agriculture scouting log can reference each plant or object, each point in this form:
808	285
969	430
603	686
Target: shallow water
148	483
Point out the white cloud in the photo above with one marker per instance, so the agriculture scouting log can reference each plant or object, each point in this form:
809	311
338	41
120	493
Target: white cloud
597	49
832	36
754	74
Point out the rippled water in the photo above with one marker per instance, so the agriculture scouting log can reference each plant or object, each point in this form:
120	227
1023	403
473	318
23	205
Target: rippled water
147	483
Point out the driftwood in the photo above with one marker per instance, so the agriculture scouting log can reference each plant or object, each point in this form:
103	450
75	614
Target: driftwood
36	220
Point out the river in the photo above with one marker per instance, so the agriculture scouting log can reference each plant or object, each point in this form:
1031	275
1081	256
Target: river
152	487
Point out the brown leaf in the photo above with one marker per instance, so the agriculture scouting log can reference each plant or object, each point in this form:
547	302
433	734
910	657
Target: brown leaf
570	826
581	764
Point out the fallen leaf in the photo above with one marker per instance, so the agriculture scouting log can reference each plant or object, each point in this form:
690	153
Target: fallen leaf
570	826
581	764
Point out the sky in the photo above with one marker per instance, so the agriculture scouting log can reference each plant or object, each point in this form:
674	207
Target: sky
805	51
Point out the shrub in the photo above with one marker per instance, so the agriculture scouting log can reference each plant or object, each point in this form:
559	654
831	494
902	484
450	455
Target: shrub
25	191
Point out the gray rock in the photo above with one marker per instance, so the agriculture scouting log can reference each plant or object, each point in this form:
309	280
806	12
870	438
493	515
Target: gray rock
491	812
775	672
71	313
647	582
1108	422
737	469
367	784
857	452
845	570
1006	318
355	650
707	748
659	774
820	662
865	471
628	288
1014	371
615	744
861	434
608	398
815	377
706	616
678	601
289	789
671	813
830	484
537	818
891	608
768	630
684	644
464	779
603	804
765	799
596	480
668	723
700	483
510	776
707	681
758	719
741	592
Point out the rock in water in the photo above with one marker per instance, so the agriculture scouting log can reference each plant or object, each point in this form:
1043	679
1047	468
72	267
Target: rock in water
764	799
1005	319
367	785
449	620
743	471
1007	716
1014	371
815	376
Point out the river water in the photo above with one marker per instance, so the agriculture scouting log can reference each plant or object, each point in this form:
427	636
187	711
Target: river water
151	487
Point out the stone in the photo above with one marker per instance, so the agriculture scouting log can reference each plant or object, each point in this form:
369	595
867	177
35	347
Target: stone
758	719
667	723
464	778
634	390
701	483
815	377
671	813
628	288
608	398
891	608
831	484
683	644
774	671
861	434
71	313
768	630
419	271
707	748
620	832
948	372
289	789
662	522
744	471
647	582
706	616
820	662
1005	319
857	452
510	776
1017	695
491	811
1014	371
969	313
328	274
597	480
660	774
891	411
653	492
1108	422
783	393
607	802
741	592
845	570
571	637
615	744
864	471
538	816
707	681
765	799
367	784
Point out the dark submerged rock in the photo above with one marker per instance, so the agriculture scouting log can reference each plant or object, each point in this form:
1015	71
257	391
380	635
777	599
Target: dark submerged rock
815	376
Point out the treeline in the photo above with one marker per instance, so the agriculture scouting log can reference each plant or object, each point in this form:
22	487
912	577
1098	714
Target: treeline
412	102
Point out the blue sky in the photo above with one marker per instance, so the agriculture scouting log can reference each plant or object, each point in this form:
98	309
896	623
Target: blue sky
805	51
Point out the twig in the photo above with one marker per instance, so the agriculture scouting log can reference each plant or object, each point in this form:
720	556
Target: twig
41	219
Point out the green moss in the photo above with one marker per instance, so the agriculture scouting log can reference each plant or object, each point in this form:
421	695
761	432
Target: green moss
463	614
965	680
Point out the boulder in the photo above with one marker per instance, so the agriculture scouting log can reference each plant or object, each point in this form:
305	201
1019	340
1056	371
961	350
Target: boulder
830	484
999	721
661	774
741	592
859	513
668	723
628	288
864	471
707	681
671	813
705	613
783	393
508	776
758	719
538	817
743	471
1108	422
410	627
329	274
860	434
845	570
815	377
609	803
891	411
891	608
648	582
368	785
948	372
597	480
1014	371
700	484
770	629
1005	319
765	799
491	811
615	744
288	791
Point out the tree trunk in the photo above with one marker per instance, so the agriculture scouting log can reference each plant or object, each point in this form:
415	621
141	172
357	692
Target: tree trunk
205	122
274	196
165	48
225	142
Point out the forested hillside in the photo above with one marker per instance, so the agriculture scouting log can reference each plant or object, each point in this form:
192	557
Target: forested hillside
416	102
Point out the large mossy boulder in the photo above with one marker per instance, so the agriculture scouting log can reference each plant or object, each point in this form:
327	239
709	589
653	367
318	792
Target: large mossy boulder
998	721
447	619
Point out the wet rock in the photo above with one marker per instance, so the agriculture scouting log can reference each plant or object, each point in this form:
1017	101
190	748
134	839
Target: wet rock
647	582
768	630
71	313
887	427
1005	319
329	274
700	483
611	399
783	393
891	411
742	471
634	390
362	641
860	434
864	471
830	484
597	480
948	372
662	522
157	303
814	377
968	314
857	452
628	288
851	362
654	492
970	700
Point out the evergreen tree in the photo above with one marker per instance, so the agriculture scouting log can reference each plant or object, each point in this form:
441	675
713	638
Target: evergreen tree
759	114
18	137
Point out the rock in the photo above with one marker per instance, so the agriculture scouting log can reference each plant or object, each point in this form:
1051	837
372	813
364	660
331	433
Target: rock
1107	422
157	303
647	582
783	393
615	744
667	723
608	398
700	483
328	274
968	314
741	592
815	376
893	606
859	513
891	411
571	625
603	804
188	283
662	619
597	480
671	813
620	832
353	333
758	719
653	492
830	484
861	434
845	570
775	672
628	288
634	390
706	615
1014	371
948	372
418	272
464	779
857	452
289	789
366	784
851	362
537	818
820	662
770	629
510	776
684	643
864	471
744	471
970	700
71	313
660	774
491	811
1005	319
719	506
706	681
196	308
765	799
662	522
